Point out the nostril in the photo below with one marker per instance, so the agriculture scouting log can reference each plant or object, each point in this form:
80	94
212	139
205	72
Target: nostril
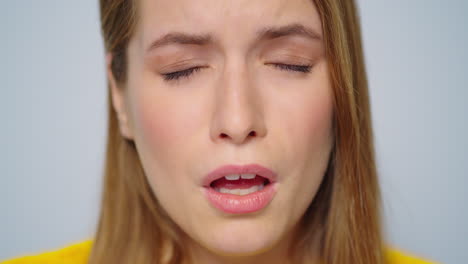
252	133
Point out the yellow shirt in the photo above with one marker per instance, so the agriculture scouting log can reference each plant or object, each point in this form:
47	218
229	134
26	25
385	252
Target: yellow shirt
78	254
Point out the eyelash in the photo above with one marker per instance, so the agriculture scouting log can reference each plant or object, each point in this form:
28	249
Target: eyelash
173	76
291	67
180	74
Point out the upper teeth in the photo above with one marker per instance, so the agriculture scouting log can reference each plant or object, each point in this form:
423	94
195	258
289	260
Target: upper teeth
233	177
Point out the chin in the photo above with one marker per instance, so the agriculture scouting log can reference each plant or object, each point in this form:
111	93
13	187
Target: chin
242	239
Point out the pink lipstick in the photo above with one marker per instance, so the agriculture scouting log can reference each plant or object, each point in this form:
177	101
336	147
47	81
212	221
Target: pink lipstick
240	189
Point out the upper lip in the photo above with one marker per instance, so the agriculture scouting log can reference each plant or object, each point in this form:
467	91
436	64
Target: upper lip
239	169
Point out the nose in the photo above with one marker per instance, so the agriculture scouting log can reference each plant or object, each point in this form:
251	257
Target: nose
238	113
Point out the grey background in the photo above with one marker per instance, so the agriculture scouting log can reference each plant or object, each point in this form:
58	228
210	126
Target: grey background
53	122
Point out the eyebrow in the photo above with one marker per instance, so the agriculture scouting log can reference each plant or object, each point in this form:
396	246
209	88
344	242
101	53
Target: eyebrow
288	30
268	33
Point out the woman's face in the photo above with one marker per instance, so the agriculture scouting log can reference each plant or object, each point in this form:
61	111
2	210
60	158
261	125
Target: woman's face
252	88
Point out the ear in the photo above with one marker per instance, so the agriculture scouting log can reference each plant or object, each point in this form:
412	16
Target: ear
118	101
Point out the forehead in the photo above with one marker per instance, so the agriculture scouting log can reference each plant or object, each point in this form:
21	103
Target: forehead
228	20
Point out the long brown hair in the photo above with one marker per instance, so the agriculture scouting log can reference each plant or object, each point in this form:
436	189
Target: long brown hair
344	218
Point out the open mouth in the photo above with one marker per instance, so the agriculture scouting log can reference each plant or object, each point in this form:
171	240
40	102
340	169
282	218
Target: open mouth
240	184
237	189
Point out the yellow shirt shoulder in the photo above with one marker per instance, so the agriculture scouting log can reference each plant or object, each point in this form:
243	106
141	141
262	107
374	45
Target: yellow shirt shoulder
400	257
74	254
79	253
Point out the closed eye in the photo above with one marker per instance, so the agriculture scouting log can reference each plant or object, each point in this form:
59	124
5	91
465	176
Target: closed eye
292	67
177	75
180	74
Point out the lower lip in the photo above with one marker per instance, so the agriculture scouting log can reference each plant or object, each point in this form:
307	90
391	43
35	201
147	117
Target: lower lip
241	204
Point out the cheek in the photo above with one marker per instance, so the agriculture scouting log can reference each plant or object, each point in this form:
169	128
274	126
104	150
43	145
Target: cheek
157	125
306	138
307	118
310	140
314	124
167	119
165	129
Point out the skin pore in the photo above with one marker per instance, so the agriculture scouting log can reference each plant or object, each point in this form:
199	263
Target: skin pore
217	82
